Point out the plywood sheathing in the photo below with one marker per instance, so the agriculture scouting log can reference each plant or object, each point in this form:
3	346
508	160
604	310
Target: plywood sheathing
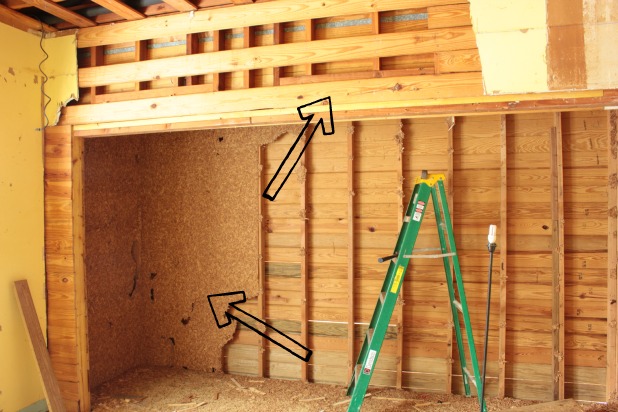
170	219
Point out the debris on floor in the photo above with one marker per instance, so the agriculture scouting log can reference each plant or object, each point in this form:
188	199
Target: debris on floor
181	390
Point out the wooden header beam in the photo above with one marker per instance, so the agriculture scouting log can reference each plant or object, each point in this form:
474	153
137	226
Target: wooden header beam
234	17
372	92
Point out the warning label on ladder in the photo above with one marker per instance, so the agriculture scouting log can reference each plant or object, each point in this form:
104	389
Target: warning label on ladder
369	364
419	211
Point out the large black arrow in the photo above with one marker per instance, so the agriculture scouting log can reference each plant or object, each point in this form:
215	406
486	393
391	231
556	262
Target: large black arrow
308	119
295	348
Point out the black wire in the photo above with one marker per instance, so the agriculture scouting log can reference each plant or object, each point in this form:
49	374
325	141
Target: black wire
491	247
45	78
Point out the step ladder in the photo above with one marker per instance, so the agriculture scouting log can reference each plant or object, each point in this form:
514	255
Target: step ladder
426	185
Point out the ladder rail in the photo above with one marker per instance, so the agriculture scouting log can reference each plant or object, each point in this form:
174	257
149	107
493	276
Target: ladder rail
461	291
449	281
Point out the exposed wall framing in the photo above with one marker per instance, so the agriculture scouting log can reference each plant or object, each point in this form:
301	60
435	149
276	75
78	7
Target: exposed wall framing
376	60
502	173
542	177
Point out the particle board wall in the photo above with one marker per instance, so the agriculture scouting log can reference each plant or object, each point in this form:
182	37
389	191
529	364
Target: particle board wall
509	186
113	238
170	219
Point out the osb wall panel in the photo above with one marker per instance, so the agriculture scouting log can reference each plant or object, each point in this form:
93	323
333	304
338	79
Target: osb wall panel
113	239
170	219
468	150
200	236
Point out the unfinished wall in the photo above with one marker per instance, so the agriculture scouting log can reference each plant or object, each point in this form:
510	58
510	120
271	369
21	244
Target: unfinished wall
170	219
113	238
540	177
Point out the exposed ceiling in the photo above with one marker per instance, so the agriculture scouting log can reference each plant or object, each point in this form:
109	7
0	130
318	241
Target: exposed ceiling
54	15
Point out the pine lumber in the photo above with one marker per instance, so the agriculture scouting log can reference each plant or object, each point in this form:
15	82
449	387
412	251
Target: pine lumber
238	16
279	55
37	341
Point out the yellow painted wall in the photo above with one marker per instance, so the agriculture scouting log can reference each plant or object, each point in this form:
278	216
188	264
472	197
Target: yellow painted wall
21	202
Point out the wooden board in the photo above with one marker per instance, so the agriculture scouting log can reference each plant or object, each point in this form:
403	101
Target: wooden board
37	341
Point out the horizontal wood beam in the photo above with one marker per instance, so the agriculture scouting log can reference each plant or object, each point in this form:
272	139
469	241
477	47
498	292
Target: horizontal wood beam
121	9
319	51
407	109
238	16
20	21
61	12
377	92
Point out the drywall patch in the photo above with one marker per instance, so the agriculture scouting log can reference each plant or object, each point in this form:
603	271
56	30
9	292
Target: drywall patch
61	70
566	59
511	36
600	20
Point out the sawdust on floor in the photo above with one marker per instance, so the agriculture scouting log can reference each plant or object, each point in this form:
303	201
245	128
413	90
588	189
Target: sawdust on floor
177	389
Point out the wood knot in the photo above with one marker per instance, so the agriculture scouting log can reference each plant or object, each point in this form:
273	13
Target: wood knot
396	87
153	106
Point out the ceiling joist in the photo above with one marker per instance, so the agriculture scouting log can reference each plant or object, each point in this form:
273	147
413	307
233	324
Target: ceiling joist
61	12
20	21
181	5
121	9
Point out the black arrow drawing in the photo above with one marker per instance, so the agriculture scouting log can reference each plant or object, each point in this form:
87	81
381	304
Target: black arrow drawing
308	119
305	353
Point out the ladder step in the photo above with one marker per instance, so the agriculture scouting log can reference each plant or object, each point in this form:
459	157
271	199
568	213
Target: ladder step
440	255
382	297
406	219
369	335
469	375
458	305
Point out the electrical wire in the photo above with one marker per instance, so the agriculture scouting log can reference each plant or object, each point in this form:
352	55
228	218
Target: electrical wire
45	78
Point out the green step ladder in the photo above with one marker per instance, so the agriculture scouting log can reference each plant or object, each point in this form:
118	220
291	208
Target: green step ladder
426	185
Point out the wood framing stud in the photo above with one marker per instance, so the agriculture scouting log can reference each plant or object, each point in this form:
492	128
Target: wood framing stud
277	39
192	47
96	59
375	28
309	36
557	208
450	184
261	301
351	307
79	264
247	43
612	256
304	326
399	313
141	54
218	44
503	249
